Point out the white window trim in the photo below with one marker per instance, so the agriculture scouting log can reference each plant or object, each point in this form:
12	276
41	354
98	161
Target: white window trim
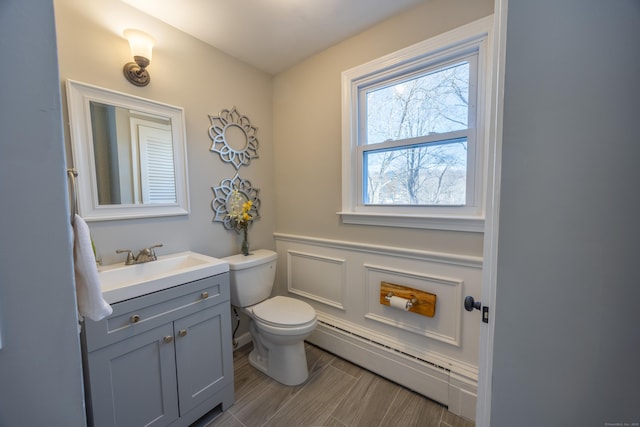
470	218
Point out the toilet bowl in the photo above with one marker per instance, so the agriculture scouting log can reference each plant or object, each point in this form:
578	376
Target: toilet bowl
278	325
278	343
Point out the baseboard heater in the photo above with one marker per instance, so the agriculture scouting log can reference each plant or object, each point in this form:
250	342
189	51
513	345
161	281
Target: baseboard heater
400	352
420	375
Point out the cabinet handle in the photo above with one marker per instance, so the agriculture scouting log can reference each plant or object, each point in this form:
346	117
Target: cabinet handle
135	318
168	339
182	332
204	295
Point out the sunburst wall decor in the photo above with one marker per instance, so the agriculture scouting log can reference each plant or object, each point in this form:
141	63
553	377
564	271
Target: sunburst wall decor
234	139
221	203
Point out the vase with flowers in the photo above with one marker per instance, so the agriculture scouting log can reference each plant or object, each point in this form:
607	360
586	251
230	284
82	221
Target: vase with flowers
240	217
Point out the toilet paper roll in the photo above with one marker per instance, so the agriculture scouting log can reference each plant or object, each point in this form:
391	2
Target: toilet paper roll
398	302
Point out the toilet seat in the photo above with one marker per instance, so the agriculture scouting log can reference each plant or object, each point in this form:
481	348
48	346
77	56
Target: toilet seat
284	312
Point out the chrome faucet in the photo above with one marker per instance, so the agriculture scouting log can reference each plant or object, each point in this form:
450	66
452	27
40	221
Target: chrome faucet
145	255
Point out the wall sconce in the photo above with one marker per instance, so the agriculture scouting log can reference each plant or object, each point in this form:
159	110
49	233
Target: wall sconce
141	45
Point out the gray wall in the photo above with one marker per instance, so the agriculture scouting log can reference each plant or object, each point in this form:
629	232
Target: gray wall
567	331
184	72
40	368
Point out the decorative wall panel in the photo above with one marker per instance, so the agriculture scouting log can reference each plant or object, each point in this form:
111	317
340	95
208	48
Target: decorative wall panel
435	356
444	326
317	277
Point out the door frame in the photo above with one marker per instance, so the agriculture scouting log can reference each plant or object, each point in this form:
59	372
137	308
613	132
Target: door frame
490	250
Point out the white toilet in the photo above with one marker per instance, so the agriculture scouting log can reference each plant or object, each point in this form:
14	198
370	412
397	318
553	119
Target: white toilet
278	325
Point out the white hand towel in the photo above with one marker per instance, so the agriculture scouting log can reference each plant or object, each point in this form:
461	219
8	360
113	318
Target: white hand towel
91	304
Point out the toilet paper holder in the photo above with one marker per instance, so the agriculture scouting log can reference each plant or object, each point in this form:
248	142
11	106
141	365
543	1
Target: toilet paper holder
417	301
410	302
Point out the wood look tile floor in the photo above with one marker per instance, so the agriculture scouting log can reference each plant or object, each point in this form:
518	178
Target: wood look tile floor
337	394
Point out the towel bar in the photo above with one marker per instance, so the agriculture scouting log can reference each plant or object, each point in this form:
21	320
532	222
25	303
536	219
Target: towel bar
73	197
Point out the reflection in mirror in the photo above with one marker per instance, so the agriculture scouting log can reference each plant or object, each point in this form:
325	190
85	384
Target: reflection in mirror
133	156
130	154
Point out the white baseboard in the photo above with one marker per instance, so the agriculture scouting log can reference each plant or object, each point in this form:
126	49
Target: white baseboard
242	340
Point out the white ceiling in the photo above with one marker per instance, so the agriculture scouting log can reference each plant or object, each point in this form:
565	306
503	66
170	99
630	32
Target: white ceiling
272	35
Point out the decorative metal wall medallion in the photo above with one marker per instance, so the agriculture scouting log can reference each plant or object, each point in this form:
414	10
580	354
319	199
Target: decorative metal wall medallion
221	203
233	137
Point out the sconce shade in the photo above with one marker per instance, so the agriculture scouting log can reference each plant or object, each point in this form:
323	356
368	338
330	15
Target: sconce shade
141	45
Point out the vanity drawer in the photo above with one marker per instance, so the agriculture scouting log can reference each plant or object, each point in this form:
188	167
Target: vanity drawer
143	313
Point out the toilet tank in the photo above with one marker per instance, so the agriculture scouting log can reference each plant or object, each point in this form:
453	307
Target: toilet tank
251	277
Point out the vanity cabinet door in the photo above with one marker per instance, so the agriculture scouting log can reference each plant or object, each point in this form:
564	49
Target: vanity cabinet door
204	358
133	382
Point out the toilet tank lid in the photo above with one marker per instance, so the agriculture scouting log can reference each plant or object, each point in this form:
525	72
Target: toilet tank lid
257	257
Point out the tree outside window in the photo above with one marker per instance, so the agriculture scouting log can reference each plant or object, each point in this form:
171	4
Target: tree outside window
410	156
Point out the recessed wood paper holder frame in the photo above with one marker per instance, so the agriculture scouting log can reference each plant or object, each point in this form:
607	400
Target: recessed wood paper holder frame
424	304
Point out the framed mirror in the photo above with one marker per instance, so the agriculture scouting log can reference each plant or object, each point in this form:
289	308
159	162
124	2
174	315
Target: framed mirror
130	154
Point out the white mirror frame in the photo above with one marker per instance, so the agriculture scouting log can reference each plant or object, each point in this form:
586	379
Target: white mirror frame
79	96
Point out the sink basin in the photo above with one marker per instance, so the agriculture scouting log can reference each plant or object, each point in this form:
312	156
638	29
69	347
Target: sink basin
120	282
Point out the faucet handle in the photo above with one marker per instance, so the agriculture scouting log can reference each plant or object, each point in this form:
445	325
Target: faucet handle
130	258
152	252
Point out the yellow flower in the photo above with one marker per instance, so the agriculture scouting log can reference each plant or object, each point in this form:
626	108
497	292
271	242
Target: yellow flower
240	209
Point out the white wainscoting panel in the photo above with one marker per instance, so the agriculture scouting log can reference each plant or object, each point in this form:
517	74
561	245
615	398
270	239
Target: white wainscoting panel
443	326
317	277
436	356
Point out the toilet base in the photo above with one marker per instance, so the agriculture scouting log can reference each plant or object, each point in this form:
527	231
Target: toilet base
286	364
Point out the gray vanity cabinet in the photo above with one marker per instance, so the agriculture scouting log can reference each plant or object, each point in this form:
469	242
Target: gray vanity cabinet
200	368
162	359
133	382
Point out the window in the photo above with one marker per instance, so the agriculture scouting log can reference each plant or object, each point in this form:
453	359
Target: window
157	176
413	135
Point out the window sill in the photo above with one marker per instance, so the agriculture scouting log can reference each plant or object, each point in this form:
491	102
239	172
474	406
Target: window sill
451	223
